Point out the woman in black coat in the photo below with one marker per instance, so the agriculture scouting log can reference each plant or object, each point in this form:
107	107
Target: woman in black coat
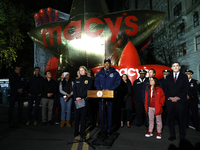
125	99
81	85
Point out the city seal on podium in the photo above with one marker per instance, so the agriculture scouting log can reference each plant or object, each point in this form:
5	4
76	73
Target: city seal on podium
99	93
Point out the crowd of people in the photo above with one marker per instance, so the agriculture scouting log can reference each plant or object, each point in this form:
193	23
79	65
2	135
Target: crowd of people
167	99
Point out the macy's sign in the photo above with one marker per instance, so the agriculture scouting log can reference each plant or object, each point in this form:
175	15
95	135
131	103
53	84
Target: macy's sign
131	72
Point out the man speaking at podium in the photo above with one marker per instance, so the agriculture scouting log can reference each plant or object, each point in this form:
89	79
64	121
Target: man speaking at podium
107	79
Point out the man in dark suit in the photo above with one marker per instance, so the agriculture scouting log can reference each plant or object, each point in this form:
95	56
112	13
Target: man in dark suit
176	89
192	100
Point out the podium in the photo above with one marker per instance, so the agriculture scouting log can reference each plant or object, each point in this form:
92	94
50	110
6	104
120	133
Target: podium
102	94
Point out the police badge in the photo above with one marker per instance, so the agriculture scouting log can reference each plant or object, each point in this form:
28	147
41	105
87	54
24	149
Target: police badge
191	85
86	81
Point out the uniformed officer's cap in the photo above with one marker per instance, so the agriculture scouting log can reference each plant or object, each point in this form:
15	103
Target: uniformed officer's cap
166	72
142	71
89	71
189	72
107	60
65	73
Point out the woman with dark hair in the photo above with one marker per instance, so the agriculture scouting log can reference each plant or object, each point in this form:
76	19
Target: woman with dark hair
125	99
154	101
65	89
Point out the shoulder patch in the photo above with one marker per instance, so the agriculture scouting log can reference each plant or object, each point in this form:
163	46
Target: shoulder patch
111	75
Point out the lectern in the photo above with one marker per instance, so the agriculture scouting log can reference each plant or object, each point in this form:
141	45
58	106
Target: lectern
101	94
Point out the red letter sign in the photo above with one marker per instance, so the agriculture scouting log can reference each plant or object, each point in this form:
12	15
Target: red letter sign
87	27
77	33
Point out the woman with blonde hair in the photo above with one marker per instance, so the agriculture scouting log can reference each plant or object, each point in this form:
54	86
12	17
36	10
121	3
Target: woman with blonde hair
81	85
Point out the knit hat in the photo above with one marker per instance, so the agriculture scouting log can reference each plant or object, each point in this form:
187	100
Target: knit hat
65	73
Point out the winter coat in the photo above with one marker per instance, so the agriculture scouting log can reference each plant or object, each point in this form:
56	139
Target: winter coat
192	91
17	81
145	84
34	85
81	85
124	94
137	89
110	81
49	87
159	100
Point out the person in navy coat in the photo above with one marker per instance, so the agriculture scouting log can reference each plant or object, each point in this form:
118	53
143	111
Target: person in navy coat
137	97
192	100
107	79
163	81
176	88
18	86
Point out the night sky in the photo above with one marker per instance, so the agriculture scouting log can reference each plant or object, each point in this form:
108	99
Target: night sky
61	5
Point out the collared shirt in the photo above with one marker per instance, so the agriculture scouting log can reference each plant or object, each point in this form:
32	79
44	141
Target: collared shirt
141	79
190	79
177	74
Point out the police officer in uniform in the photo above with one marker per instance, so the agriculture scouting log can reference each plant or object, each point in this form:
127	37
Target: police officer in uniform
81	85
163	82
192	99
137	97
17	86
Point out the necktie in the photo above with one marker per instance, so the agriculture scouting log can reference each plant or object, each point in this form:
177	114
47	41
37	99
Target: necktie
175	78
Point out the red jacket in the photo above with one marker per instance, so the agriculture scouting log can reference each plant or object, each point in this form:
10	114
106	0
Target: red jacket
159	100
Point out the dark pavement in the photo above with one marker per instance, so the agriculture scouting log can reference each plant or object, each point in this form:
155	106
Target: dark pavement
52	137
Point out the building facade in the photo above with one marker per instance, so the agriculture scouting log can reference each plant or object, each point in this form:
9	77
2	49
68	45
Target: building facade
179	30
